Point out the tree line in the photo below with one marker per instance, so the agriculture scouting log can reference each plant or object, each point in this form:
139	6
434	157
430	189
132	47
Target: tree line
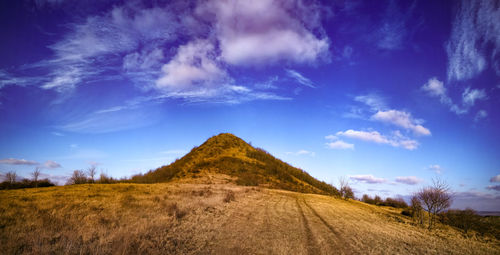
11	181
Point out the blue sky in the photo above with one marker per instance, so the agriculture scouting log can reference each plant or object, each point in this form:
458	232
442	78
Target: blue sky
389	93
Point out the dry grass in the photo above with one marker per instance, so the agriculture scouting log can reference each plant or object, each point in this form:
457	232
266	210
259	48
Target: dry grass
194	219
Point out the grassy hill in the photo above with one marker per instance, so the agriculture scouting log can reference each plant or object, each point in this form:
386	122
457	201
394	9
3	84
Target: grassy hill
229	155
184	218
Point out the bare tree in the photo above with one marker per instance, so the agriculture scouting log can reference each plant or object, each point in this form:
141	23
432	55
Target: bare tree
11	177
435	199
36	174
344	188
91	171
78	177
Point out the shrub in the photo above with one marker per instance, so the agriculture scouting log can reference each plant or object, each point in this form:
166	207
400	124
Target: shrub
248	179
407	212
25	183
464	219
229	196
105	179
174	210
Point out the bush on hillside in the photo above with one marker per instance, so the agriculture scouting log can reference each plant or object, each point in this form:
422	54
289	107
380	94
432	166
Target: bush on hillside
392	202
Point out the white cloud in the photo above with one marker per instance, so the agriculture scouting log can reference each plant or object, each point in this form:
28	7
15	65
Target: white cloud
410	180
397	139
474	33
302	152
51	164
13	161
495	178
368	179
340	145
130	42
401	119
300	78
334	143
331	137
470	96
282	31
436	88
193	65
494	187
369	136
435	168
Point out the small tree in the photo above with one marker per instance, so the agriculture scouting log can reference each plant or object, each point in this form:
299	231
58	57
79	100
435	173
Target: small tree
11	177
344	189
416	210
435	199
91	171
36	174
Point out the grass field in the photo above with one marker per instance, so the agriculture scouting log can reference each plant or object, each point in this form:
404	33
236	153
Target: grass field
212	219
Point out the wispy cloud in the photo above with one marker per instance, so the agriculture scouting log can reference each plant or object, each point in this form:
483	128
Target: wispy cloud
435	168
410	180
302	153
470	96
49	164
436	88
175	152
134	42
14	161
370	179
300	78
401	119
481	114
374	101
393	30
474	34
396	140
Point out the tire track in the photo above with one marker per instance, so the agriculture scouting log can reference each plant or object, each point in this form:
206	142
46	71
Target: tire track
339	239
312	245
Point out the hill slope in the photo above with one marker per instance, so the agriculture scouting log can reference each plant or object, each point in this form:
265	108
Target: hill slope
230	155
183	218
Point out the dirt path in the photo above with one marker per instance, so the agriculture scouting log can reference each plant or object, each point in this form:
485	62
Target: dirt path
311	244
277	223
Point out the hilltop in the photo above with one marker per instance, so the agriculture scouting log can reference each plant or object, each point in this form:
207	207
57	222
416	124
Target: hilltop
230	155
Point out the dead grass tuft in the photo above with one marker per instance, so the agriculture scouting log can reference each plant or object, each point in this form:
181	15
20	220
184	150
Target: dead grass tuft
229	196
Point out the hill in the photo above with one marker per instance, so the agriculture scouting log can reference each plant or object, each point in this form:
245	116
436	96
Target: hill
245	165
185	218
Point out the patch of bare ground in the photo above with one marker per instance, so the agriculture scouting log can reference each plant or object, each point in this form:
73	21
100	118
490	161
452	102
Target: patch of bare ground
182	218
